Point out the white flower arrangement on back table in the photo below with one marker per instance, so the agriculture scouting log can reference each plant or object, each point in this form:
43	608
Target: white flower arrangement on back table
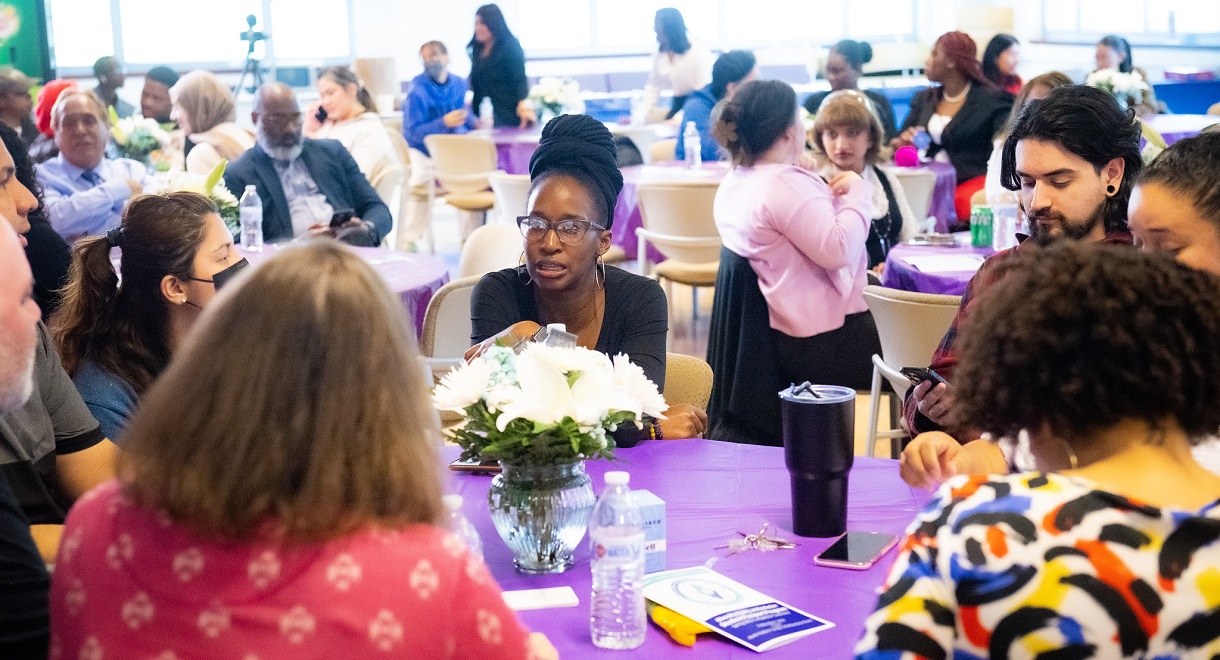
546	404
557	96
1127	88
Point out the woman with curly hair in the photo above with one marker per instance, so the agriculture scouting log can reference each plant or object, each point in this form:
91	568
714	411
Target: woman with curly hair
1107	358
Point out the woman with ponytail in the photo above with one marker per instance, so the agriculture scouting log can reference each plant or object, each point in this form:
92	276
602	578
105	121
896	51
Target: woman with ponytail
116	334
346	112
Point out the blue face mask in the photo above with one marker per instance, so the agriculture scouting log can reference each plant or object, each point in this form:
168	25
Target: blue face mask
435	69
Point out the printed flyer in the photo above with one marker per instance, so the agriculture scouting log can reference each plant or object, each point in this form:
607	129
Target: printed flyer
730	608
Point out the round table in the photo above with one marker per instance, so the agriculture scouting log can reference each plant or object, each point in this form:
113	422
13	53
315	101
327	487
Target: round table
941	205
414	278
515	146
627	216
713	490
927	269
1177	127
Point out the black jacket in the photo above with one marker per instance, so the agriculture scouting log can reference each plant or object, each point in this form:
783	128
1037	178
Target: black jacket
969	135
501	76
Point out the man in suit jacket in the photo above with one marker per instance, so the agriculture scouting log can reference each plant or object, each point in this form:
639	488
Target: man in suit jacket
302	182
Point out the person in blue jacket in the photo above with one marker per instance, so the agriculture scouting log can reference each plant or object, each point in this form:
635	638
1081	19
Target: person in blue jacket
437	101
731	70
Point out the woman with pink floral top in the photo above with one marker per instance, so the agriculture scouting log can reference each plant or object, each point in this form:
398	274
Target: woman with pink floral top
279	496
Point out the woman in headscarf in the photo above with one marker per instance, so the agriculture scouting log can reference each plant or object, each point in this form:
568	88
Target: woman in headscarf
574	186
205	111
962	114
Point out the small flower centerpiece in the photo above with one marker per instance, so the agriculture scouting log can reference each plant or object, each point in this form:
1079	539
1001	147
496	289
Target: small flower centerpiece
1129	89
140	139
556	96
541	413
213	186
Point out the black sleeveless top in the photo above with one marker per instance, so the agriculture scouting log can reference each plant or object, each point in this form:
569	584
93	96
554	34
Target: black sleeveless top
886	230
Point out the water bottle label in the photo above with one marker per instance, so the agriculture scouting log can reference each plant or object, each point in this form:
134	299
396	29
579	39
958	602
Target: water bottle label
614	549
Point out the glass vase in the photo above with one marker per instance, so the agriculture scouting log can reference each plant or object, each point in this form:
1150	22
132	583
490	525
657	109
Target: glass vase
541	512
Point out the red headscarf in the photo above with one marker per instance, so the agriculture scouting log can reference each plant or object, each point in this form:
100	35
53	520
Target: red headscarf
47	96
959	48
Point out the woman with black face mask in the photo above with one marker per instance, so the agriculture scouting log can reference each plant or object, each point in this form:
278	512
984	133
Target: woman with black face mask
115	335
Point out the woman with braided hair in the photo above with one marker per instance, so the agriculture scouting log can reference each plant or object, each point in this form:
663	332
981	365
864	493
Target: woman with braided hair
575	182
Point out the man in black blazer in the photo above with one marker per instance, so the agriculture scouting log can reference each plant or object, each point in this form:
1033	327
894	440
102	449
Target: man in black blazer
304	183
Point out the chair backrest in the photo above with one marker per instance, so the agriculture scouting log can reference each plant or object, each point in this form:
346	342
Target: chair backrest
688	380
446	332
680	209
910	325
663	151
917	183
462	163
490	247
512	194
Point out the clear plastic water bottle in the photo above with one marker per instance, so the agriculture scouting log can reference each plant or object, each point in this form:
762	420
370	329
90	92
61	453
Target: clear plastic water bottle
251	209
693	145
922	141
459	525
556	334
487	116
616	536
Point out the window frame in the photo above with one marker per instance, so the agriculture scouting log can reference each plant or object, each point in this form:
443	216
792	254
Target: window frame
1171	39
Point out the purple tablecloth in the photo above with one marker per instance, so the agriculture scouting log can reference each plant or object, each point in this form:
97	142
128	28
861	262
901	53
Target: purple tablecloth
514	147
1177	127
412	277
941	206
627	211
712	491
901	273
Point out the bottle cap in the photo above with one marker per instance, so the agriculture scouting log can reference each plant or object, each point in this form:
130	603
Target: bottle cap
617	478
557	326
452	502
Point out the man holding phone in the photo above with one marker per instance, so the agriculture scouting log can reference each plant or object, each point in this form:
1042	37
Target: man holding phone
1072	158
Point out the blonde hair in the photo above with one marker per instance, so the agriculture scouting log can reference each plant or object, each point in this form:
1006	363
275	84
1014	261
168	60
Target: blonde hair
205	100
297	406
99	106
848	109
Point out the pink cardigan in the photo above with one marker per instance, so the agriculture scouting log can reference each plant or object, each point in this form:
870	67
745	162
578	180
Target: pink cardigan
806	245
130	583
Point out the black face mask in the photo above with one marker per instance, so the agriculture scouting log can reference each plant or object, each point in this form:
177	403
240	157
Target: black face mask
221	278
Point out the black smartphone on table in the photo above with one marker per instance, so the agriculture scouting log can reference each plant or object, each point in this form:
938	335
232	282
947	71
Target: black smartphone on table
918	375
856	550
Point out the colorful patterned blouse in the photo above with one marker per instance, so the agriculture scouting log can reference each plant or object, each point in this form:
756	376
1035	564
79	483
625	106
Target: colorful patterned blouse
1047	566
132	584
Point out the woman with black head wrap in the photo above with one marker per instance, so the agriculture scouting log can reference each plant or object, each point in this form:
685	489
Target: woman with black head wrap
574	186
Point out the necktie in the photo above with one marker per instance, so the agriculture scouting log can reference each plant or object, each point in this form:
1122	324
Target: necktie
92	177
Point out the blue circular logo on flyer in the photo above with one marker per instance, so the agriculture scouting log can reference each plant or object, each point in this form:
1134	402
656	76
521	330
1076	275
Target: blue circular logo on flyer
705	592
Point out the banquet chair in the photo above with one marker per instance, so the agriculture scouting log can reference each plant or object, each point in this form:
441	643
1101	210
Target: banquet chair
910	326
389	182
512	194
918	184
663	151
677	218
446	332
688	380
418	189
463	165
489	248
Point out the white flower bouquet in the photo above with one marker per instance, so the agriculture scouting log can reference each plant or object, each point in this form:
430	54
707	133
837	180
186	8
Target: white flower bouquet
1127	88
212	185
546	404
557	96
138	138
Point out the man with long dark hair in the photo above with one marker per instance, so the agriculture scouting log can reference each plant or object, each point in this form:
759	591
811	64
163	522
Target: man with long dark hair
1072	158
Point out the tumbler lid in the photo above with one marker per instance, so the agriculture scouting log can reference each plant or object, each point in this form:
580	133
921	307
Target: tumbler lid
806	393
617	478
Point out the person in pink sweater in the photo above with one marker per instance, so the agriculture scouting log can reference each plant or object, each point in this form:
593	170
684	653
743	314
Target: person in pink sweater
804	239
280	494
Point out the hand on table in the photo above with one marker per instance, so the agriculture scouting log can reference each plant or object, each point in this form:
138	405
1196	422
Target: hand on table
905	138
935	403
683	421
454	118
526	113
510	336
841	183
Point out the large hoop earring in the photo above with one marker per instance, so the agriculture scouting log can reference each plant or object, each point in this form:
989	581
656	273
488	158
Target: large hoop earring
601	267
1071	454
522	270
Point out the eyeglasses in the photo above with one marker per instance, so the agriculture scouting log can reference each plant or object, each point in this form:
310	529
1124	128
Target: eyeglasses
569	231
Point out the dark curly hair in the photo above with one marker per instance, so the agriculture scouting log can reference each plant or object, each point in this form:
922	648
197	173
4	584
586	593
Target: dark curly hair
1076	337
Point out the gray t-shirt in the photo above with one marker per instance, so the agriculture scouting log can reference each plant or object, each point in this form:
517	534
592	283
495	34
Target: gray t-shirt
54	421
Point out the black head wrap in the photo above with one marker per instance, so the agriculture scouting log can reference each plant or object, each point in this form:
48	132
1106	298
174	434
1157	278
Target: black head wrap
583	147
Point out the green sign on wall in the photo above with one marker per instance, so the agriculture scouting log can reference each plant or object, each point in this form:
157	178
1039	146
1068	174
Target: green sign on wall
23	37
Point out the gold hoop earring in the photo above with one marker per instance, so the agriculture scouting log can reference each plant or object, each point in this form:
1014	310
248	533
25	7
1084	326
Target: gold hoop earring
523	270
601	266
1071	455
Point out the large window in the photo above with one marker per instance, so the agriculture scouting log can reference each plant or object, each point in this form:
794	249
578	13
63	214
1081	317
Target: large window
1150	22
550	28
146	33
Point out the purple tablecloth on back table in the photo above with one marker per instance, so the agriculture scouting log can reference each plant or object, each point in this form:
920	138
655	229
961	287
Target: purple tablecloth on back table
902	274
1177	127
941	206
627	216
412	277
713	490
515	146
